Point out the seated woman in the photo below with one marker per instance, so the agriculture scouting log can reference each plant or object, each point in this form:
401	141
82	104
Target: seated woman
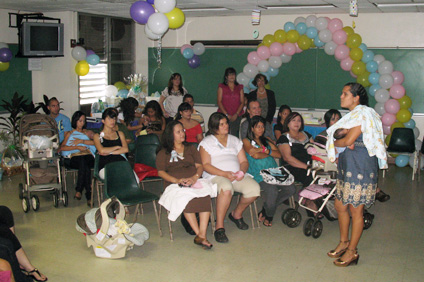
129	116
283	112
225	163
7	231
78	150
192	128
260	153
110	144
292	148
180	163
152	119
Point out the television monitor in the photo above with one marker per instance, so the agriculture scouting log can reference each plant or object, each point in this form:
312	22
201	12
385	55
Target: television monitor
41	39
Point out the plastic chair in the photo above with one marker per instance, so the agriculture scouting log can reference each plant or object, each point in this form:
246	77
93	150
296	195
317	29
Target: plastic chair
97	182
145	153
402	142
120	182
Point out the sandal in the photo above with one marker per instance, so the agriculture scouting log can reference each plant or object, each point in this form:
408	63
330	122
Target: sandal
205	244
261	216
78	196
32	272
239	222
334	254
267	220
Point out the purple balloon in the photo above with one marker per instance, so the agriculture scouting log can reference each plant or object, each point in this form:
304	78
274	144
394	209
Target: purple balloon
194	62
140	11
5	55
151	1
90	52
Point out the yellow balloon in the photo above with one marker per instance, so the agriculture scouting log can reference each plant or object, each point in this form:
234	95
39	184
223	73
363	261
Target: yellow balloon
405	102
349	31
120	85
260	44
403	115
354	40
356	54
304	42
387	140
268	40
4	66
82	68
358	68
176	18
293	36
397	124
280	36
363	79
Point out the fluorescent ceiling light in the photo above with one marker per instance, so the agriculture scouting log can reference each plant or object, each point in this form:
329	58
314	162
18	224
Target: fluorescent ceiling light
300	7
398	4
204	9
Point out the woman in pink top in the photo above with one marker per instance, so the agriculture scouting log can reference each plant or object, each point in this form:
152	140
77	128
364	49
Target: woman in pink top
231	100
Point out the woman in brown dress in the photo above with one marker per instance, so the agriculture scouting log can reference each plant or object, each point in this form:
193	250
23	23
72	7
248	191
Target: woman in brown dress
180	163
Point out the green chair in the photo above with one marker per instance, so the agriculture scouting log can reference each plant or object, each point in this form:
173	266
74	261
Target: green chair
97	182
145	153
120	182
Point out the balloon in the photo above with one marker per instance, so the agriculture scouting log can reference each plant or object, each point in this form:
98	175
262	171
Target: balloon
372	66
4	45
335	25
89	52
398	77
82	68
263	52
289	26
79	53
396	125
410	124
274	62
379	108
304	42
242	79
392	106
311	32
276	49
263	66
405	102
379	58
194	62
5	55
368	56
289	48
374	78
385	81
325	36
120	85
321	23
363	79
165	6
418	144
386	129
292	36
250	70
299	20
123	93
298	50
268	40
310	21
176	18
280	36
318	42
352	74
387	140
385	67
198	48
354	40
273	72
339	37
373	88
356	54
185	46
341	52
188	53
251	85
111	91
346	64
330	48
416	132
246	90
403	115
388	119
410	109
349	31
4	66
151	1
301	28
363	47
140	11
253	58
158	23
285	58
358	68
154	36
382	96
93	59
397	91
402	160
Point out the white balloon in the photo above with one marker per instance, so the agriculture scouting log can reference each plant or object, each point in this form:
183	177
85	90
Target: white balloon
275	62
416	132
310	21
79	53
385	67
285	58
165	6
418	144
150	34
198	48
250	70
158	23
321	23
243	79
299	20
4	45
386	81
263	66
111	91
379	58
379	108
330	48
325	36
382	95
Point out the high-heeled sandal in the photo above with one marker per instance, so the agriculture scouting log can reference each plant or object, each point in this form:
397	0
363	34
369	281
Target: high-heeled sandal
334	254
205	244
353	261
32	272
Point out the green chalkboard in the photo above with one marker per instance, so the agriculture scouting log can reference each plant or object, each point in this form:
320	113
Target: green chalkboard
312	79
16	79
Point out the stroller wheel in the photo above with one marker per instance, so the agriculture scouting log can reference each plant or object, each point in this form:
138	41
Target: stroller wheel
293	219
284	215
65	199
307	227
25	205
35	203
368	218
55	199
317	229
21	191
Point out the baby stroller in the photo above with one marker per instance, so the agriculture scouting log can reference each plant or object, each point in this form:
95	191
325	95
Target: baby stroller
39	138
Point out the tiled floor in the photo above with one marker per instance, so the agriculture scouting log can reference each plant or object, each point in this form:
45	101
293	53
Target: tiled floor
391	250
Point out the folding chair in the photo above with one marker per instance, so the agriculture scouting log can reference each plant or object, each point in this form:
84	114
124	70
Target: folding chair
145	153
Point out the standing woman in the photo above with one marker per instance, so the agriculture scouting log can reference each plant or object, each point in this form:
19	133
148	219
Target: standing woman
230	100
283	112
192	128
172	96
265	97
357	168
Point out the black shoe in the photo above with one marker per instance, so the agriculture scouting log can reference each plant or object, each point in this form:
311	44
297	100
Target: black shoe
220	236
187	226
382	197
239	222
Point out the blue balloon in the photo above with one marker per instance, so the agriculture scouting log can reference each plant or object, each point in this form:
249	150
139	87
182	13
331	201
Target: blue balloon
363	47
373	89
301	28
318	42
5	55
273	72
123	93
372	66
188	53
289	26
411	110
246	89
268	77
368	56
93	59
402	160
374	78
410	124
311	32
251	86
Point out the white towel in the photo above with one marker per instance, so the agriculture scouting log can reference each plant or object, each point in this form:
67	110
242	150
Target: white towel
175	198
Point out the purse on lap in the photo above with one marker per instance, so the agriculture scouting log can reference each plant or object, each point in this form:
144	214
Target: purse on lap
277	176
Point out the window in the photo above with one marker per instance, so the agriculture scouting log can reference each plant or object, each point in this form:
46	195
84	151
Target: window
112	39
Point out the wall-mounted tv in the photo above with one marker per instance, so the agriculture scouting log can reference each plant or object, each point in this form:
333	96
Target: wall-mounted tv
41	39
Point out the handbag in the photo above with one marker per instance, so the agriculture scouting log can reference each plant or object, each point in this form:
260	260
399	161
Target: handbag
277	176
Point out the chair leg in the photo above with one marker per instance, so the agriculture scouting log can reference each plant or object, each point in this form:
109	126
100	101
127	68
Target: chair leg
136	213
99	201
414	169
93	181
157	218
212	219
251	216
256	213
170	228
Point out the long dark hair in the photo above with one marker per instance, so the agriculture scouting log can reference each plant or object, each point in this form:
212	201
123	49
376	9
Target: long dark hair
181	108
329	114
156	107
109	112
282	108
213	123
128	107
168	136
171	85
253	122
229	71
75	117
358	90
289	118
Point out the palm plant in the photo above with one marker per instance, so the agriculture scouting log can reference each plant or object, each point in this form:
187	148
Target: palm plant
15	107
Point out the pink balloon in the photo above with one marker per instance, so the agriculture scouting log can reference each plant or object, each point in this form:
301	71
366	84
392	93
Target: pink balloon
398	77
253	58
353	75
388	119
264	52
298	50
276	49
397	91
289	49
341	52
339	37
335	24
392	106
346	64
185	46
386	129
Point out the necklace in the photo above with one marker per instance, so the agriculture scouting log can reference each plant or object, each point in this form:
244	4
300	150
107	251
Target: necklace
261	92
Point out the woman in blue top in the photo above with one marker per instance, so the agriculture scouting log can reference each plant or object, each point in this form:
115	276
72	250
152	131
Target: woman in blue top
260	153
78	149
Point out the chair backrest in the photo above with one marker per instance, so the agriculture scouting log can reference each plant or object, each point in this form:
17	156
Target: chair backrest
402	140
120	180
146	148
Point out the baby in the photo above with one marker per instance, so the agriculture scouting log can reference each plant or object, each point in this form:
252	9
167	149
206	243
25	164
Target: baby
339	134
